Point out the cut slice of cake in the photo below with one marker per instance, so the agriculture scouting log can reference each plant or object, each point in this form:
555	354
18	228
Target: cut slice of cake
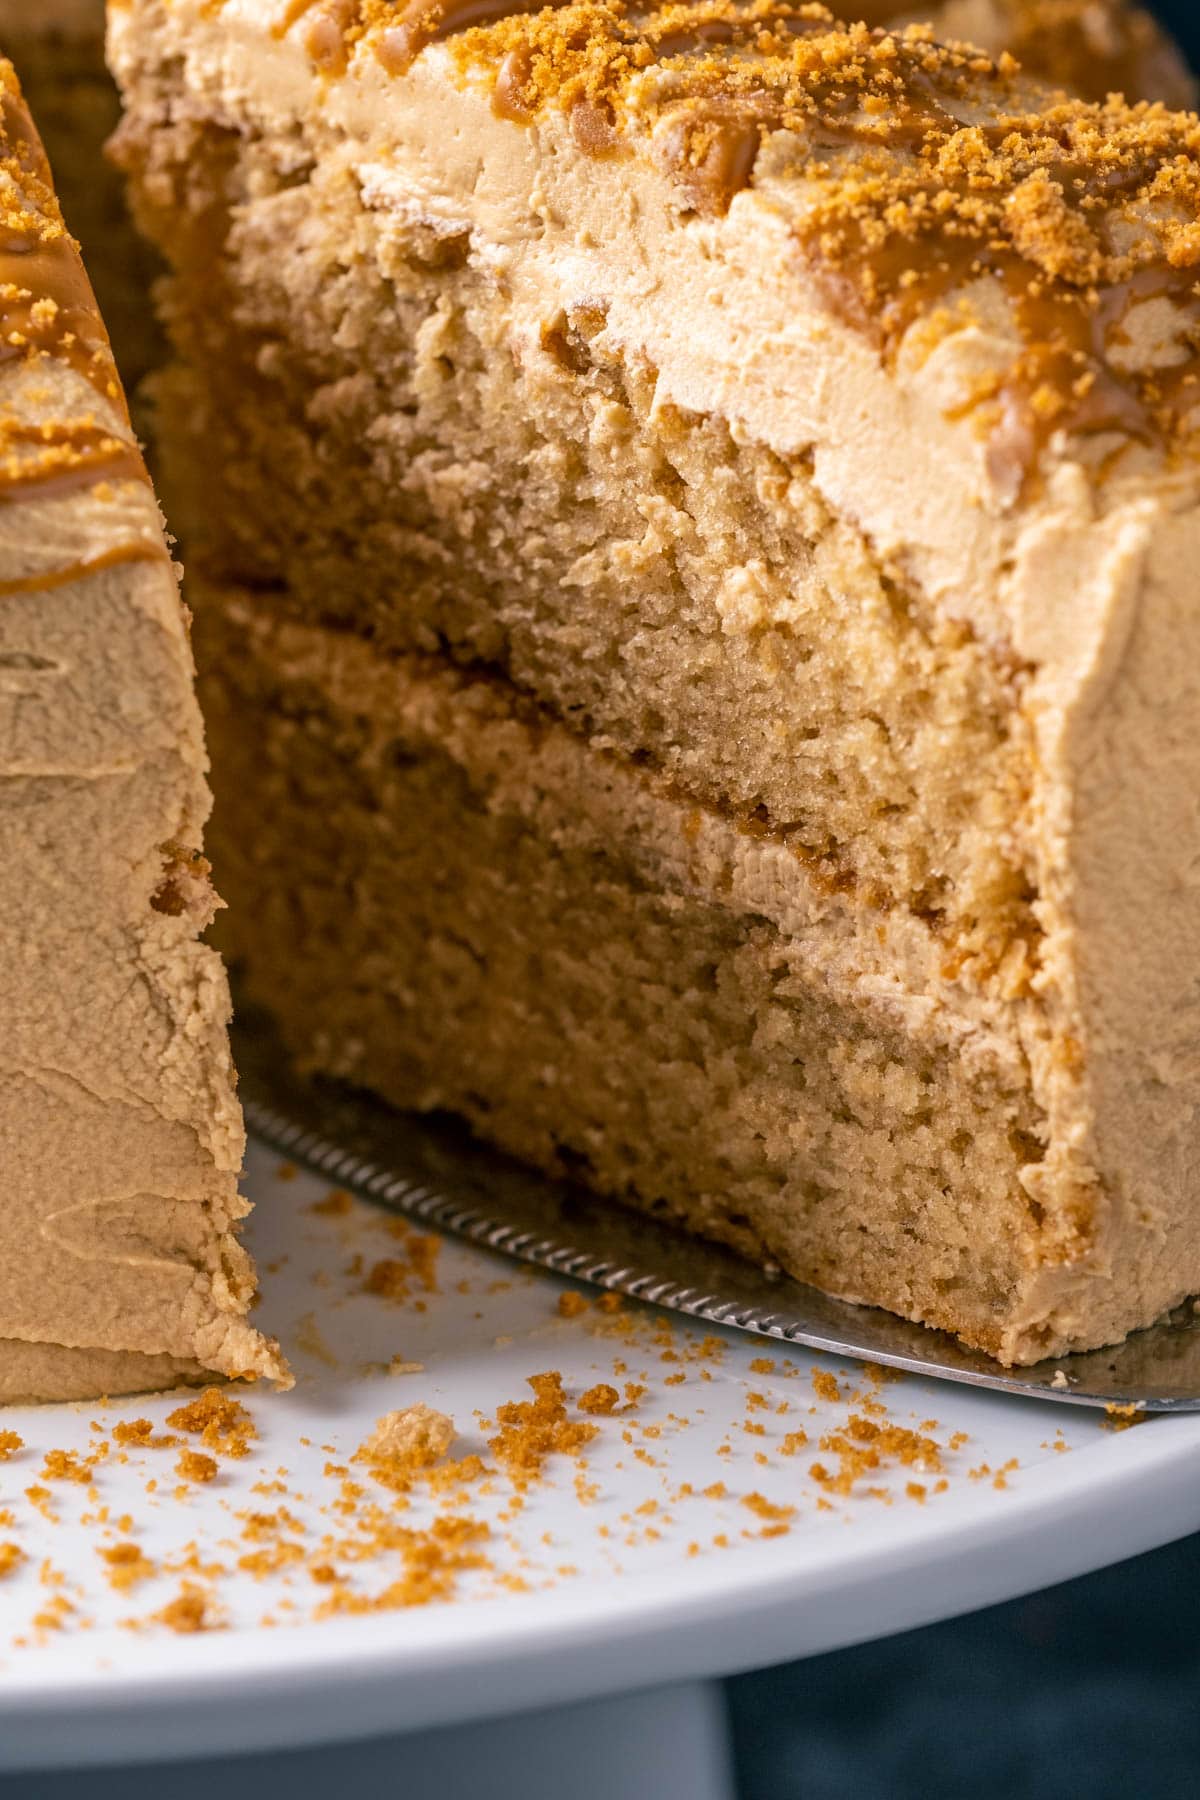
693	512
120	1133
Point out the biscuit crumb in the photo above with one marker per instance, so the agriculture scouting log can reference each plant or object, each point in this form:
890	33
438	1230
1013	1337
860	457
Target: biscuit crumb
336	1204
140	1434
127	1565
599	1399
405	1444
221	1422
189	1612
193	1465
532	1430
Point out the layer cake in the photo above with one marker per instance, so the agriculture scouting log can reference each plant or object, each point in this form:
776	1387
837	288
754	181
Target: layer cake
692	513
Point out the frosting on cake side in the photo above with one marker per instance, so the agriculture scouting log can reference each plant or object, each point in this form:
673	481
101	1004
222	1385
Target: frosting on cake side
122	1137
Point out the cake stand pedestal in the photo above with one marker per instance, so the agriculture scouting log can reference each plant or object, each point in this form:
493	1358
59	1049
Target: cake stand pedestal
668	1743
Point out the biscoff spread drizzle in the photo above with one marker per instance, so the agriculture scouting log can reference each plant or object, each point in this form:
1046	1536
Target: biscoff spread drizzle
48	315
927	173
47	308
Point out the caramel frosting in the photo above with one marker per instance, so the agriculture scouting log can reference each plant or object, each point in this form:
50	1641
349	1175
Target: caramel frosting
926	169
928	186
970	304
120	1263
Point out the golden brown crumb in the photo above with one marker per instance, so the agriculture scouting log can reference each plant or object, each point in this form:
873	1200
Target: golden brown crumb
865	1446
1120	1418
193	1465
10	1443
571	1304
433	1561
189	1612
397	1278
825	1386
532	1430
140	1434
54	1615
599	1399
336	1204
66	1465
405	1444
221	1422
11	1555
766	1509
127	1565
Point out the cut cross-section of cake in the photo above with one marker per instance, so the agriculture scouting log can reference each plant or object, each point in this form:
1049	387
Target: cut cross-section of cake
120	1133
694	513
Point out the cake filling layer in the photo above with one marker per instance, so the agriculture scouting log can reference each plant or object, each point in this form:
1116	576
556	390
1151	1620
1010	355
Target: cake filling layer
481	913
514	487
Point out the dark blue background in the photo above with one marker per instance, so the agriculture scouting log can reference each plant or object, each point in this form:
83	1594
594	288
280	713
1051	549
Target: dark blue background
1090	1691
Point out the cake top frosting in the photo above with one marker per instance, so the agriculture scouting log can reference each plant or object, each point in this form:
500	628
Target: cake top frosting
48	306
931	186
50	446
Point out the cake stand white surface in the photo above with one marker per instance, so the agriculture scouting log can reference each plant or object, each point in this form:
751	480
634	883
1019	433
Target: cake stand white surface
615	1571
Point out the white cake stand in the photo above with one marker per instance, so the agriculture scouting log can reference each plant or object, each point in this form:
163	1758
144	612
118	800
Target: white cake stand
614	1601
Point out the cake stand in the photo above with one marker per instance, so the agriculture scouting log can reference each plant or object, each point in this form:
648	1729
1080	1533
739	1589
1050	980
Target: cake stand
736	1504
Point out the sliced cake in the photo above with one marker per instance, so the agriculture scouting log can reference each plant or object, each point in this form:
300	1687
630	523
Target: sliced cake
692	512
120	1133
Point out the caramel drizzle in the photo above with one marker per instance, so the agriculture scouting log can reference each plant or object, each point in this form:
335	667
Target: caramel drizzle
47	308
48	580
425	22
66	460
337	27
714	112
1064	379
48	313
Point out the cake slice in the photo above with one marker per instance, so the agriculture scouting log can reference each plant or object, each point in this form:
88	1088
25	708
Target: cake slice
120	1133
692	512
